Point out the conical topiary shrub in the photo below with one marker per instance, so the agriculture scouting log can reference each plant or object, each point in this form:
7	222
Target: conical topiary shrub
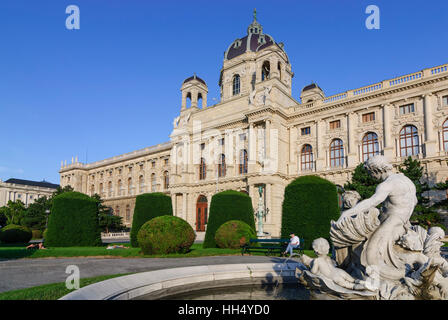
225	206
73	221
147	207
309	204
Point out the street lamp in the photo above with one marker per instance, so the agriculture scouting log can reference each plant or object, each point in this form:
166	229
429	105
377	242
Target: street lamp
47	212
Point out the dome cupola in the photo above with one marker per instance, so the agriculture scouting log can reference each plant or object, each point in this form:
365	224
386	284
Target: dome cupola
254	41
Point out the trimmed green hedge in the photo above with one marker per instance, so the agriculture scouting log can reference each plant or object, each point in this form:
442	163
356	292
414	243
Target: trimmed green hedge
309	204
233	234
73	221
166	234
147	207
15	234
225	206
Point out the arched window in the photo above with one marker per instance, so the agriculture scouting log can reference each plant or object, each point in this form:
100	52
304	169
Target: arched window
119	187
188	100
141	184
370	146
336	153
92	189
101	189
306	158
243	161
409	143
166	180
236	85
445	135
279	68
199	100
265	71
109	187
153	182
222	166
202	169
130	186
128	213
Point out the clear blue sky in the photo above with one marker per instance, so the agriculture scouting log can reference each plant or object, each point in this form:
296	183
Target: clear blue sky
114	85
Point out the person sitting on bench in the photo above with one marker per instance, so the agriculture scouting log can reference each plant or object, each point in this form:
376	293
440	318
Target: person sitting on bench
293	244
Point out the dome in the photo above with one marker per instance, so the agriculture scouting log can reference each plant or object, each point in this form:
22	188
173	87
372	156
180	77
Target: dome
311	86
194	77
255	41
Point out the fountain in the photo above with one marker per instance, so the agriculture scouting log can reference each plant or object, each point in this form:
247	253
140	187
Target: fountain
378	253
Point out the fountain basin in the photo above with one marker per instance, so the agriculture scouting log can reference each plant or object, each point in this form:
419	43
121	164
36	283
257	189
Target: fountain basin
168	282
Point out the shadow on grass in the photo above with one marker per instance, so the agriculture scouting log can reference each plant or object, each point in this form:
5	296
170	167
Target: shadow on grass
9	251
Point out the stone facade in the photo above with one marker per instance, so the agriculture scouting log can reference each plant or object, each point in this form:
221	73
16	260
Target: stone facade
259	134
24	190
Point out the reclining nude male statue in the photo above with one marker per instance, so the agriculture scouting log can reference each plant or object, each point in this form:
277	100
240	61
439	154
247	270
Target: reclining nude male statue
381	247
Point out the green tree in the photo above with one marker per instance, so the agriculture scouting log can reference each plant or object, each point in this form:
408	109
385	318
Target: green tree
3	218
106	219
362	182
423	214
35	217
14	212
60	190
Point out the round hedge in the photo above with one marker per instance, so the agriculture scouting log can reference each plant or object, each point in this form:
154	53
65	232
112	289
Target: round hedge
309	204
15	234
166	234
225	206
147	207
73	221
233	234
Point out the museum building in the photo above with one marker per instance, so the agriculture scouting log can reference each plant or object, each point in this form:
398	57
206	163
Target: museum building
260	135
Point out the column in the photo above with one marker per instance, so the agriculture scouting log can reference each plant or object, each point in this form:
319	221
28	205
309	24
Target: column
430	137
252	152
387	131
351	148
320	148
292	147
184	207
267	142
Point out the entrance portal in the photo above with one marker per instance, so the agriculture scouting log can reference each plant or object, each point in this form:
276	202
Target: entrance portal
201	213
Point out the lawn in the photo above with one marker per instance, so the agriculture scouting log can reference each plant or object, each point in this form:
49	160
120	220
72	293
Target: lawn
51	291
16	251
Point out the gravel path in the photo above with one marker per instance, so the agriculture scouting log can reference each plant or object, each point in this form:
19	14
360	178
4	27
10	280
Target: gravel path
25	273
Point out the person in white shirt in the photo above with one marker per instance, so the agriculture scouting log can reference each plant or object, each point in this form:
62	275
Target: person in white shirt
293	244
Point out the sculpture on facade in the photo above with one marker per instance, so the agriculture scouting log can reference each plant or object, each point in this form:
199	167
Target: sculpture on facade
380	247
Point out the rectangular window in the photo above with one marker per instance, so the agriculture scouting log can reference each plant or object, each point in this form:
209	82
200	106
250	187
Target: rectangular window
153	164
166	161
408	108
202	146
445	100
242	137
367	117
305	131
221	142
335	124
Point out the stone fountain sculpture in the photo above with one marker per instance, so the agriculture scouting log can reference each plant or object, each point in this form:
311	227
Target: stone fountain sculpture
378	253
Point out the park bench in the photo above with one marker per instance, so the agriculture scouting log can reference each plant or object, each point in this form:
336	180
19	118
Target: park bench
269	246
